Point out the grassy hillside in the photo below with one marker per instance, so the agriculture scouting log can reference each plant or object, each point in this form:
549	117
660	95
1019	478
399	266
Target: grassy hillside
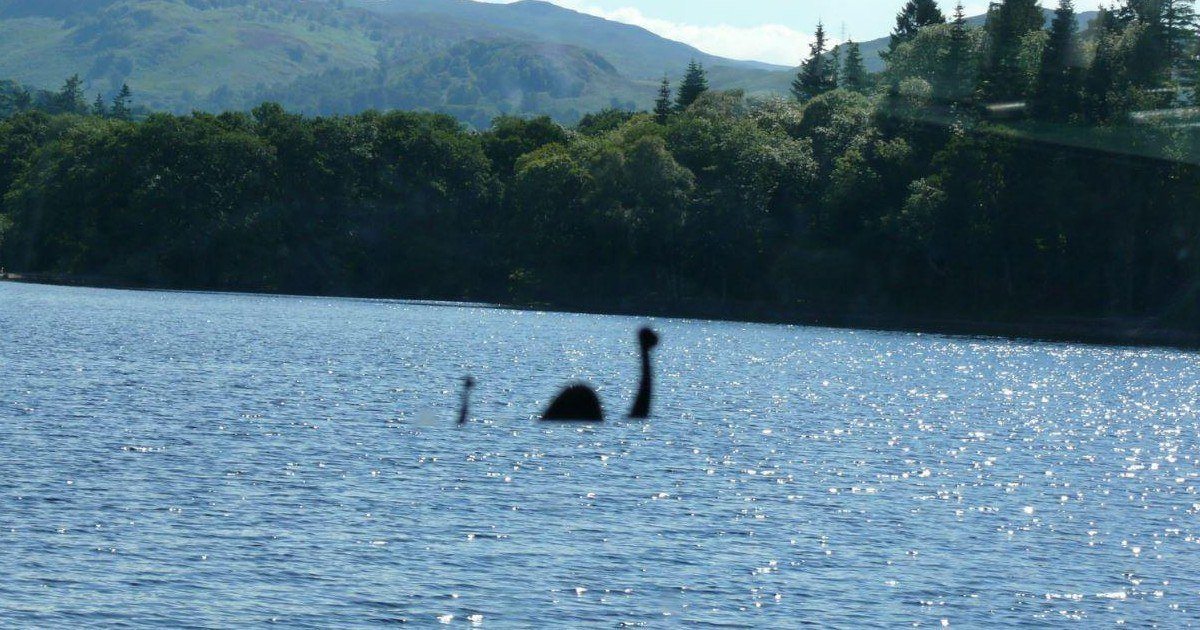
476	81
174	51
635	52
320	56
472	59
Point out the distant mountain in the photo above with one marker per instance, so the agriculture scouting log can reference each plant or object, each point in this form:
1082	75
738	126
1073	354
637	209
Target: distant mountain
476	80
175	52
636	52
473	59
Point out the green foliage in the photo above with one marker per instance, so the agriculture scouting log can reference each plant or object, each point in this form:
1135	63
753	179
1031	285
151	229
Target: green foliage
915	199
829	206
854	74
121	107
959	66
946	56
662	105
511	137
1009	23
818	73
1057	91
695	83
915	15
14	98
5	226
1147	56
834	121
69	99
603	121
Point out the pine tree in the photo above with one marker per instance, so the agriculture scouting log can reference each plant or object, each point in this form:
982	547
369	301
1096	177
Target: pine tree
1008	22
22	99
70	98
1055	96
953	82
1180	31
662	106
121	103
835	65
1099	81
1189	74
695	83
854	73
1147	63
98	106
815	76
1130	10
1179	21
915	15
928	13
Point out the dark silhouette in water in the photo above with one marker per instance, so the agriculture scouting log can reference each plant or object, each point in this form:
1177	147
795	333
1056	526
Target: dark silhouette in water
577	402
580	403
468	385
641	405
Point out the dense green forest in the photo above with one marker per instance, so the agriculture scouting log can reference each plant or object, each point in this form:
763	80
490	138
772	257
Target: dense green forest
1004	173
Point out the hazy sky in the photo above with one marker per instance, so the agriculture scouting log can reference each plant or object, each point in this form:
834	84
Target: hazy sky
766	30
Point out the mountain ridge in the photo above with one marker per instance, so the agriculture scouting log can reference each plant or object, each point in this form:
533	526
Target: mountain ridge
230	54
475	60
551	22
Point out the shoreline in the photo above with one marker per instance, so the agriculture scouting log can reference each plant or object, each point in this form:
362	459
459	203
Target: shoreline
1121	332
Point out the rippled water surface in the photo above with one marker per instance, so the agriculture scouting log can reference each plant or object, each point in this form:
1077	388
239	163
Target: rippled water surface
226	460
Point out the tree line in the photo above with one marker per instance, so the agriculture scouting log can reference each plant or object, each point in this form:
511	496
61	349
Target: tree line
69	99
906	195
1140	55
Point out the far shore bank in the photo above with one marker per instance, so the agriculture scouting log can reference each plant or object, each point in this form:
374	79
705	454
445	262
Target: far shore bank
1093	331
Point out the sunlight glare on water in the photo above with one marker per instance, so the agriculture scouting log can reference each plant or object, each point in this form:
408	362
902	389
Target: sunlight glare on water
223	460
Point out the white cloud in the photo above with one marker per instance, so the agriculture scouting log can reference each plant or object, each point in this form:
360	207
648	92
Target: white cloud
773	43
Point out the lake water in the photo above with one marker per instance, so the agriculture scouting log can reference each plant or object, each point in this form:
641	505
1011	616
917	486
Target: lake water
229	460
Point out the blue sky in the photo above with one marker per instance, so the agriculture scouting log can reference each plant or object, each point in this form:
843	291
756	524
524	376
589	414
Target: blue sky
767	30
